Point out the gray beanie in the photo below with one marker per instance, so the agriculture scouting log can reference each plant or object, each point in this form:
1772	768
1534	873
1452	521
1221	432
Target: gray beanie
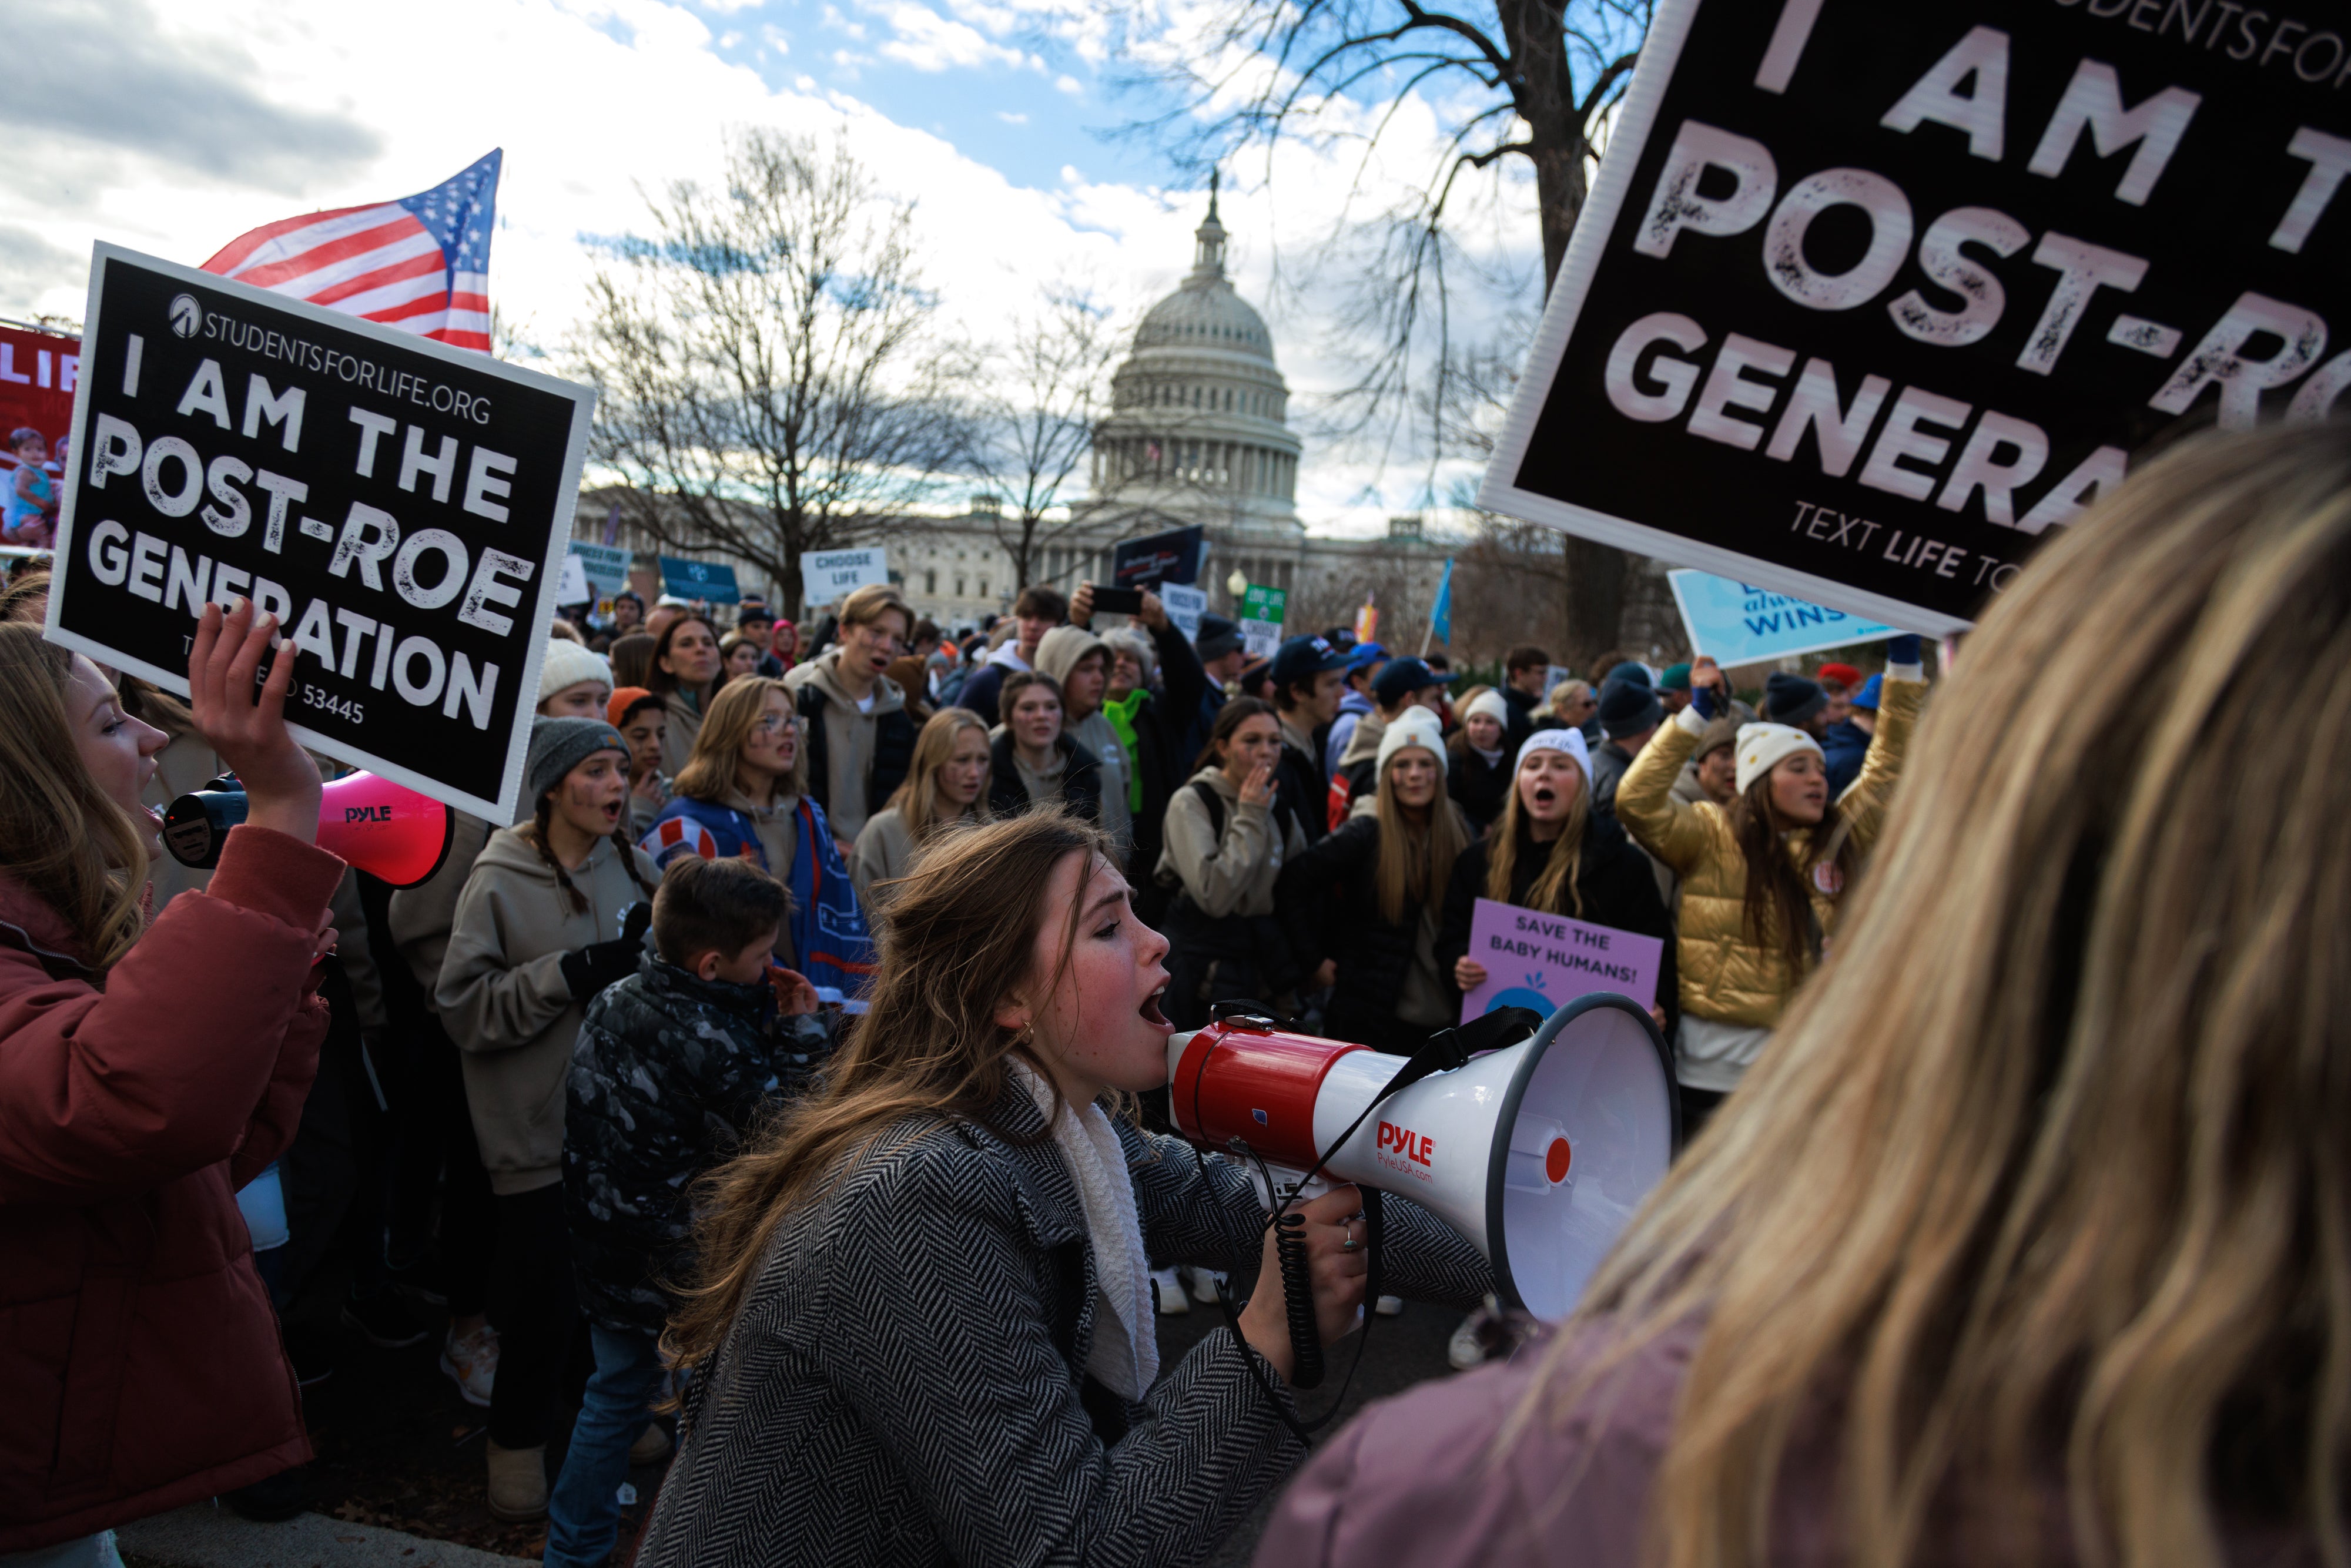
559	744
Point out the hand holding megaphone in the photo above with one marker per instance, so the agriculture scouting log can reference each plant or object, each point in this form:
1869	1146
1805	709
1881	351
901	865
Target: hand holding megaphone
376	826
1338	1267
246	727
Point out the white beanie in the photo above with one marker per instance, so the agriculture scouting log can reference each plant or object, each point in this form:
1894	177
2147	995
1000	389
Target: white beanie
1414	727
1567	740
568	665
1761	747
1490	703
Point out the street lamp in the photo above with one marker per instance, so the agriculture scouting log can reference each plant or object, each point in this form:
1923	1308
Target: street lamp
1237	584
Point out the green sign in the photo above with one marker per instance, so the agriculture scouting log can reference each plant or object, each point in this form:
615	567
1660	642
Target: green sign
1260	619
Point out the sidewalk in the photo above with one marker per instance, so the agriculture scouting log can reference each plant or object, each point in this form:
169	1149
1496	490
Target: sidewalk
207	1536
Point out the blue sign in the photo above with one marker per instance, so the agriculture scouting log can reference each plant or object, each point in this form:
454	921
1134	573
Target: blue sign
699	579
1735	622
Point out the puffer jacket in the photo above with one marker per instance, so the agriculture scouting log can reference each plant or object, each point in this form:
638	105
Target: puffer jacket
140	1362
1727	977
669	1073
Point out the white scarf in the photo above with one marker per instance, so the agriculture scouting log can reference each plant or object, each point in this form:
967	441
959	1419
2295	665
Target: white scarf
1126	1355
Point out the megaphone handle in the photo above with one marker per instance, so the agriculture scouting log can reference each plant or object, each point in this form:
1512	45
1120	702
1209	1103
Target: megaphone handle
1298	1300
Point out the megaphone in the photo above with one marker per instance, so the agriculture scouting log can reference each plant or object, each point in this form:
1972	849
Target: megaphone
375	825
1537	1154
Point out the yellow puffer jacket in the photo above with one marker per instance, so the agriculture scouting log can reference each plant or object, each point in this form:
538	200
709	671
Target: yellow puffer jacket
1726	975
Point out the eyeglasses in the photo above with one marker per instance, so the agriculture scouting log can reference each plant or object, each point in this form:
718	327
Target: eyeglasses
774	724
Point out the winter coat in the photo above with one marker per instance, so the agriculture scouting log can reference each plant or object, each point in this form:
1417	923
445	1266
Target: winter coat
856	760
503	999
826	932
1299	776
140	1361
1479	787
1162	722
1845	747
906	1386
980	692
1354	707
1080	779
1613	877
1218	867
1329	901
1609	761
681	722
668	1074
1358	772
420	917
1527	715
1057	656
1727	976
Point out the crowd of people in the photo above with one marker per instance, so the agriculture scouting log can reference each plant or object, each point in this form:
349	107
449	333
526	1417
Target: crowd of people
779	1054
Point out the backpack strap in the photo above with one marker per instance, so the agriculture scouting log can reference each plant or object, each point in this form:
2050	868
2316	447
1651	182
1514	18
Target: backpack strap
1215	808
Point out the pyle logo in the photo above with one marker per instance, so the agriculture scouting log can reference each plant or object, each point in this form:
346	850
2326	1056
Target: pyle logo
1414	1146
186	315
367	813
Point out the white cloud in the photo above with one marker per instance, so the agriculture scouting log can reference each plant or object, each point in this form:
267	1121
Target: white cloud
930	42
1070	85
1009	117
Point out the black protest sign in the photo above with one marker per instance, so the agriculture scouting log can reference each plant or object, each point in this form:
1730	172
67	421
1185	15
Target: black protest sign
1867	298
400	505
1172	556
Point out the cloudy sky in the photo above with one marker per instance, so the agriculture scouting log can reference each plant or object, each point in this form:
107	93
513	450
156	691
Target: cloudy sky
172	129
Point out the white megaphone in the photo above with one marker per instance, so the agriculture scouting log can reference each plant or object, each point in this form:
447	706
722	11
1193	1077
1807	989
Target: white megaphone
1537	1154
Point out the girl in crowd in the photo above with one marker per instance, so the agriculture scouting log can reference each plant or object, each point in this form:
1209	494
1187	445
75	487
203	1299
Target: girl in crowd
685	675
2022	1243
641	720
745	792
1551	852
1034	762
30	516
784	643
537	932
1575	705
1228	839
1079	662
146	1072
1367	897
924	1329
946	784
573	683
1477	770
1762	881
632	658
739	656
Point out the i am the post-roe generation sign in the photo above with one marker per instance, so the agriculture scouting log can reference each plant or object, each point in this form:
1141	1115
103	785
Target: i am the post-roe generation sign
400	506
1869	296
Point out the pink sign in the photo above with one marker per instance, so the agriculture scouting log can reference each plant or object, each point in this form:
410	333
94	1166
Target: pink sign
1545	961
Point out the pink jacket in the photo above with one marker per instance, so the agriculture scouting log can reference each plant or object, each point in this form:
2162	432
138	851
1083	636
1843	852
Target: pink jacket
140	1362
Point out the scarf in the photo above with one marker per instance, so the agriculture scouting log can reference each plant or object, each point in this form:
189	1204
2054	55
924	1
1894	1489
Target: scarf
1121	715
1126	1355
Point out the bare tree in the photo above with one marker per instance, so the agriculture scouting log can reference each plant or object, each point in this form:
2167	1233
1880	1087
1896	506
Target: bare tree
1030	422
764	388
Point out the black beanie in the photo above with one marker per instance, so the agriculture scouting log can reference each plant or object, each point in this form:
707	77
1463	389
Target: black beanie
1628	707
1792	699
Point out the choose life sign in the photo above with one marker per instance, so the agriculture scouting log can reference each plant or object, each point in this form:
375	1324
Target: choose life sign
1868	298
1735	622
402	506
1262	609
829	576
1545	961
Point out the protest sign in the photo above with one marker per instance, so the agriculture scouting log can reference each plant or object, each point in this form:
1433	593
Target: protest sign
1545	961
1184	607
606	566
828	577
1172	556
1735	622
400	505
1866	298
38	371
709	580
1260	619
572	587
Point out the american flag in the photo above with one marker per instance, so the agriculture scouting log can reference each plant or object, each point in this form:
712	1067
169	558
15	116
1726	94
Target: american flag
421	263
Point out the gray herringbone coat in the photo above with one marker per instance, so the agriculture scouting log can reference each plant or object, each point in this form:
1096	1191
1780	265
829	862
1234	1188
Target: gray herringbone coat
905	1383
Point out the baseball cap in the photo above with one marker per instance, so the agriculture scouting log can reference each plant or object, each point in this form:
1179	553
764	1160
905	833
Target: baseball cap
1218	636
1303	658
1402	679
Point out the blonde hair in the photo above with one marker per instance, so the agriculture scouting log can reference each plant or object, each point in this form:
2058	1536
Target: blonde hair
1415	860
870	603
2056	1134
1555	891
61	837
917	798
709	772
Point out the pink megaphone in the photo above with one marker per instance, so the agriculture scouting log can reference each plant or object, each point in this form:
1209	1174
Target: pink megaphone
376	826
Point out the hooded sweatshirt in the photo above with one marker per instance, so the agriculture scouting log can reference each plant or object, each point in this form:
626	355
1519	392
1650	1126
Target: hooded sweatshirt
849	738
505	1002
1057	656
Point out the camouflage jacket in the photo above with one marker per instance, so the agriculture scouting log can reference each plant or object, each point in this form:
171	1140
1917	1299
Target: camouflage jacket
669	1075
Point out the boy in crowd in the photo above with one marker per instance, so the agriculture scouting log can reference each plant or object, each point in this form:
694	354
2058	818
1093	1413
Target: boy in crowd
1524	671
1037	612
671	1066
1306	687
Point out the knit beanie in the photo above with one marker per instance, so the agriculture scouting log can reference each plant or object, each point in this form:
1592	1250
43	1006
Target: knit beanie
1677	678
1722	732
1490	703
1567	740
1414	727
559	744
1761	747
626	700
1792	699
568	664
1628	707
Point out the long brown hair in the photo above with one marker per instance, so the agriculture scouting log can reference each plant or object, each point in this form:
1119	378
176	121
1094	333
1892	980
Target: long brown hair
2039	1199
1416	858
1777	908
61	836
917	798
961	938
1555	891
709	772
663	682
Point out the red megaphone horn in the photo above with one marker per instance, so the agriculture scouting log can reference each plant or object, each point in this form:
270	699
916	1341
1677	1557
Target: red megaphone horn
376	826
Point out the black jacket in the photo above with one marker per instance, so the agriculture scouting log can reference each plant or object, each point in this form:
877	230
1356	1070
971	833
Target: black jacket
1523	715
894	751
1328	904
1161	726
1609	761
1081	780
1475	786
1303	787
1614	879
668	1073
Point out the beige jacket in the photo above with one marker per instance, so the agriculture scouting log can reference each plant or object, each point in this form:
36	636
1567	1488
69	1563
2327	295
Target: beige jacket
421	916
681	722
847	739
505	1002
1233	874
885	851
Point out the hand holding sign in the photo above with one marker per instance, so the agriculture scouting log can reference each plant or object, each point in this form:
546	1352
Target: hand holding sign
248	728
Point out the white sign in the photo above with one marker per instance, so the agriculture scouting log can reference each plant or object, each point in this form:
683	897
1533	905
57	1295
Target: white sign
573	588
827	576
1184	607
607	567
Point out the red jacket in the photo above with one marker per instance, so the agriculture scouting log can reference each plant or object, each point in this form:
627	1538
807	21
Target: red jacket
140	1362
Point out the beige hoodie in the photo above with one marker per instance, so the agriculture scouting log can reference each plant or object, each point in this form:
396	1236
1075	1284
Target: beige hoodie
1233	874
421	916
847	739
1057	654
503	997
